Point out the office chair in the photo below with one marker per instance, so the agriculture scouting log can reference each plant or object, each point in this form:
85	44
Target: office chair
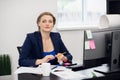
19	49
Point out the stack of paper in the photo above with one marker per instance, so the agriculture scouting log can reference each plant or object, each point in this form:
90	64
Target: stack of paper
29	70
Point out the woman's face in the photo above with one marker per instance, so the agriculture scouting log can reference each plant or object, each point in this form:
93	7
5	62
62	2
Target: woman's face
46	23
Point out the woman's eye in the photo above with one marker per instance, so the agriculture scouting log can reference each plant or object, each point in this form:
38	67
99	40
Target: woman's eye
43	21
50	21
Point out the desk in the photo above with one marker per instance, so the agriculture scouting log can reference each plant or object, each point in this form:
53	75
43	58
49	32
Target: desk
28	76
86	72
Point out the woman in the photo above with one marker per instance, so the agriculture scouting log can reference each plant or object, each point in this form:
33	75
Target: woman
43	45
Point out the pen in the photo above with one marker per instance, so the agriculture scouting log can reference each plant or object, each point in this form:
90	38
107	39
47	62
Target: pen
58	70
64	53
55	67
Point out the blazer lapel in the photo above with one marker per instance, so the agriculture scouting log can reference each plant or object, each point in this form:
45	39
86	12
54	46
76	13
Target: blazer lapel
54	41
40	44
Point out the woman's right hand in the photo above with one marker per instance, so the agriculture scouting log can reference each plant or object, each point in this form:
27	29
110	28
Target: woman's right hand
45	59
48	58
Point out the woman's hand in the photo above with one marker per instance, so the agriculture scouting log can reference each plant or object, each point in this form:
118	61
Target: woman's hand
61	57
48	58
45	59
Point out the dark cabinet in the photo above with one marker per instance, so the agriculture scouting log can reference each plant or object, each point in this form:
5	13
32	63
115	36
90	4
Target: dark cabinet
113	6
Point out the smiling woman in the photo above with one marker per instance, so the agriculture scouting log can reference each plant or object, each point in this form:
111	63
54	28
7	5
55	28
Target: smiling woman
46	20
18	17
44	46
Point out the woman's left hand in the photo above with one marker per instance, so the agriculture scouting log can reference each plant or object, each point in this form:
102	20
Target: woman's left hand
61	57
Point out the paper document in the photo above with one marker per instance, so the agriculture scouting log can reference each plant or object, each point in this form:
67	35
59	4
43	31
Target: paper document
103	68
67	73
87	45
34	70
89	34
89	72
92	44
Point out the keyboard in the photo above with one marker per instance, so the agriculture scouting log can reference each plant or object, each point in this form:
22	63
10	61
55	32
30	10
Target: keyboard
76	67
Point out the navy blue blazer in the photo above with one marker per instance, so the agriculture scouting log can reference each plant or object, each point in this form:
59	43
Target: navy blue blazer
32	48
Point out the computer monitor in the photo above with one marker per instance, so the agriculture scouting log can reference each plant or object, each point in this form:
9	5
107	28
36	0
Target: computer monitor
99	55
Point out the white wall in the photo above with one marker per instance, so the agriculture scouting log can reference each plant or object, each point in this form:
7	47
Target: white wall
18	17
73	40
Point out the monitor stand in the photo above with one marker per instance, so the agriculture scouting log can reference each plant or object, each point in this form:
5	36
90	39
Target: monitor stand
108	72
113	52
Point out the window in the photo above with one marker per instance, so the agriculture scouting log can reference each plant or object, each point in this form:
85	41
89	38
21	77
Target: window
79	13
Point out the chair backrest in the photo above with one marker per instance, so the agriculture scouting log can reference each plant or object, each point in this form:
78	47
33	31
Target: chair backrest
19	49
